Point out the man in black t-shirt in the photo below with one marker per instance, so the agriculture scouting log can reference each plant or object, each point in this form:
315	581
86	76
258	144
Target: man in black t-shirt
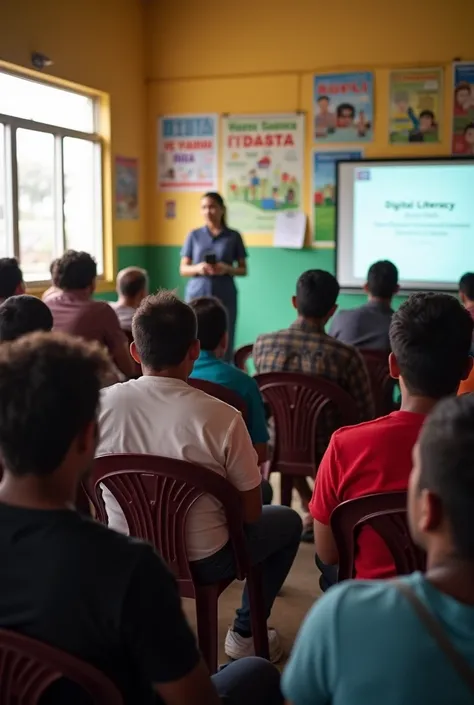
72	583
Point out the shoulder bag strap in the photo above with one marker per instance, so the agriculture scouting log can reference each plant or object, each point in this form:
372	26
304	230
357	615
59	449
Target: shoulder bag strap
459	663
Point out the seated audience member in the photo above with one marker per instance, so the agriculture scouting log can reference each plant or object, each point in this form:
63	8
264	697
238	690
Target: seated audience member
75	312
112	603
160	414
375	642
11	278
53	289
466	292
430	337
212	333
23	314
305	347
367	326
132	287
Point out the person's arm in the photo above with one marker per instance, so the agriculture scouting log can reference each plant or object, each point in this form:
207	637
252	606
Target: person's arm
256	419
324	500
158	638
235	271
116	342
359	387
187	269
261	450
242	469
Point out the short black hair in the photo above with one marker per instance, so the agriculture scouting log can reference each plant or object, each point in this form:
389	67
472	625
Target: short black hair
345	106
75	270
49	392
23	314
430	335
382	279
316	293
53	270
469	126
163	328
211	321
427	113
11	276
323	97
466	285
132	282
446	447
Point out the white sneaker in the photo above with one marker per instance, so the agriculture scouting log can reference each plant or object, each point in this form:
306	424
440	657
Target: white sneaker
237	646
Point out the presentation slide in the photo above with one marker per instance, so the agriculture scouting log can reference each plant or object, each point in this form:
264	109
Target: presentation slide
418	214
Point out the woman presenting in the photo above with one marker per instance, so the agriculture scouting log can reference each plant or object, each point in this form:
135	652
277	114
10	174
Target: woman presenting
213	255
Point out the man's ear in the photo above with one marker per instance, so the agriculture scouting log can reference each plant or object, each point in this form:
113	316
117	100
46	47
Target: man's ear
134	353
88	437
294	303
366	288
393	366
467	368
224	342
194	350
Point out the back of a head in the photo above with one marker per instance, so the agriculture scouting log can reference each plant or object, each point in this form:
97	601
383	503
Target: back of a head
74	271
23	314
49	392
11	277
430	336
131	282
211	321
316	293
447	466
164	328
382	279
466	285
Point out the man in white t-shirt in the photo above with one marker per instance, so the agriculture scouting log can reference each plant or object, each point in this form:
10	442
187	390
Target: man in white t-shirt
161	414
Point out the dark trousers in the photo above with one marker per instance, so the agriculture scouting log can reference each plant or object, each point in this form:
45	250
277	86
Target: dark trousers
249	681
328	575
273	542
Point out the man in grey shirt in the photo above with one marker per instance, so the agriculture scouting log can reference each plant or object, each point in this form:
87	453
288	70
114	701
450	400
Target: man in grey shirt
132	287
367	326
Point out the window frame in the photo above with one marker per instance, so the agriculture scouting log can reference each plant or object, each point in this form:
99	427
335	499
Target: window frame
101	158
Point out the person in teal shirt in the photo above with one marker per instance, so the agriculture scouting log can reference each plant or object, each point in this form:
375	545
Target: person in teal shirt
213	336
363	643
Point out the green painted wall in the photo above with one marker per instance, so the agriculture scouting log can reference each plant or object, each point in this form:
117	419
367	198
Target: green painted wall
265	295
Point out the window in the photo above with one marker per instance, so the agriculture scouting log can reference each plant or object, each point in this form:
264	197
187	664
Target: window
50	174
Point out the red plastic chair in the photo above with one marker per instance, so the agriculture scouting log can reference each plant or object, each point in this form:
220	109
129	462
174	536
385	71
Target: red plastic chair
383	386
220	392
296	401
29	667
386	513
155	495
241	355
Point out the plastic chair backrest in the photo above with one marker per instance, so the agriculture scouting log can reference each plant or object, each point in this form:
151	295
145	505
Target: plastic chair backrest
28	668
156	494
386	514
382	384
296	402
241	355
220	392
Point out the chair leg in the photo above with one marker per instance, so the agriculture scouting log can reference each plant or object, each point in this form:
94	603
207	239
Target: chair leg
206	612
286	485
257	612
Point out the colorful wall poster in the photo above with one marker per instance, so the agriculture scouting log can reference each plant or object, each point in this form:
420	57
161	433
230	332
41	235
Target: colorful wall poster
126	188
463	109
415	105
324	193
187	153
263	169
343	107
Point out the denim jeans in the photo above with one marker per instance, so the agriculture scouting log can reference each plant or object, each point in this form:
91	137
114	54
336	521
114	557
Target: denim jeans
273	542
249	681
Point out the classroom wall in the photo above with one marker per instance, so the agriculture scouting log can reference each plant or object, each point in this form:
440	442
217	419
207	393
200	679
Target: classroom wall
98	44
257	56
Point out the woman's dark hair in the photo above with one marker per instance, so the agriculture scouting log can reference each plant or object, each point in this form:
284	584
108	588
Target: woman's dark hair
219	201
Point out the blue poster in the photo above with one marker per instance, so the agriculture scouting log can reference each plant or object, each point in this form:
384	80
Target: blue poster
343	107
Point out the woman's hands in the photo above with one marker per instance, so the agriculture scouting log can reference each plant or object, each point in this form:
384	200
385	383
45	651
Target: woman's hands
218	269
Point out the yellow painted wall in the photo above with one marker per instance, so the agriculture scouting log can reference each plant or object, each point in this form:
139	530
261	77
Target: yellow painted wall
259	56
98	44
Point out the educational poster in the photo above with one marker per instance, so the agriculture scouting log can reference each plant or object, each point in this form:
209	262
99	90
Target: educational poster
343	107
126	188
463	109
324	193
263	169
415	105
187	153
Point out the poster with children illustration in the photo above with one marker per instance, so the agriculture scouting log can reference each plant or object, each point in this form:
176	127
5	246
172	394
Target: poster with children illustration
343	107
324	193
415	105
463	109
262	169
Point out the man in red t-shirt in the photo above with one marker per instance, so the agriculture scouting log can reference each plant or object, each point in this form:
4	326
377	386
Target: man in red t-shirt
430	336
